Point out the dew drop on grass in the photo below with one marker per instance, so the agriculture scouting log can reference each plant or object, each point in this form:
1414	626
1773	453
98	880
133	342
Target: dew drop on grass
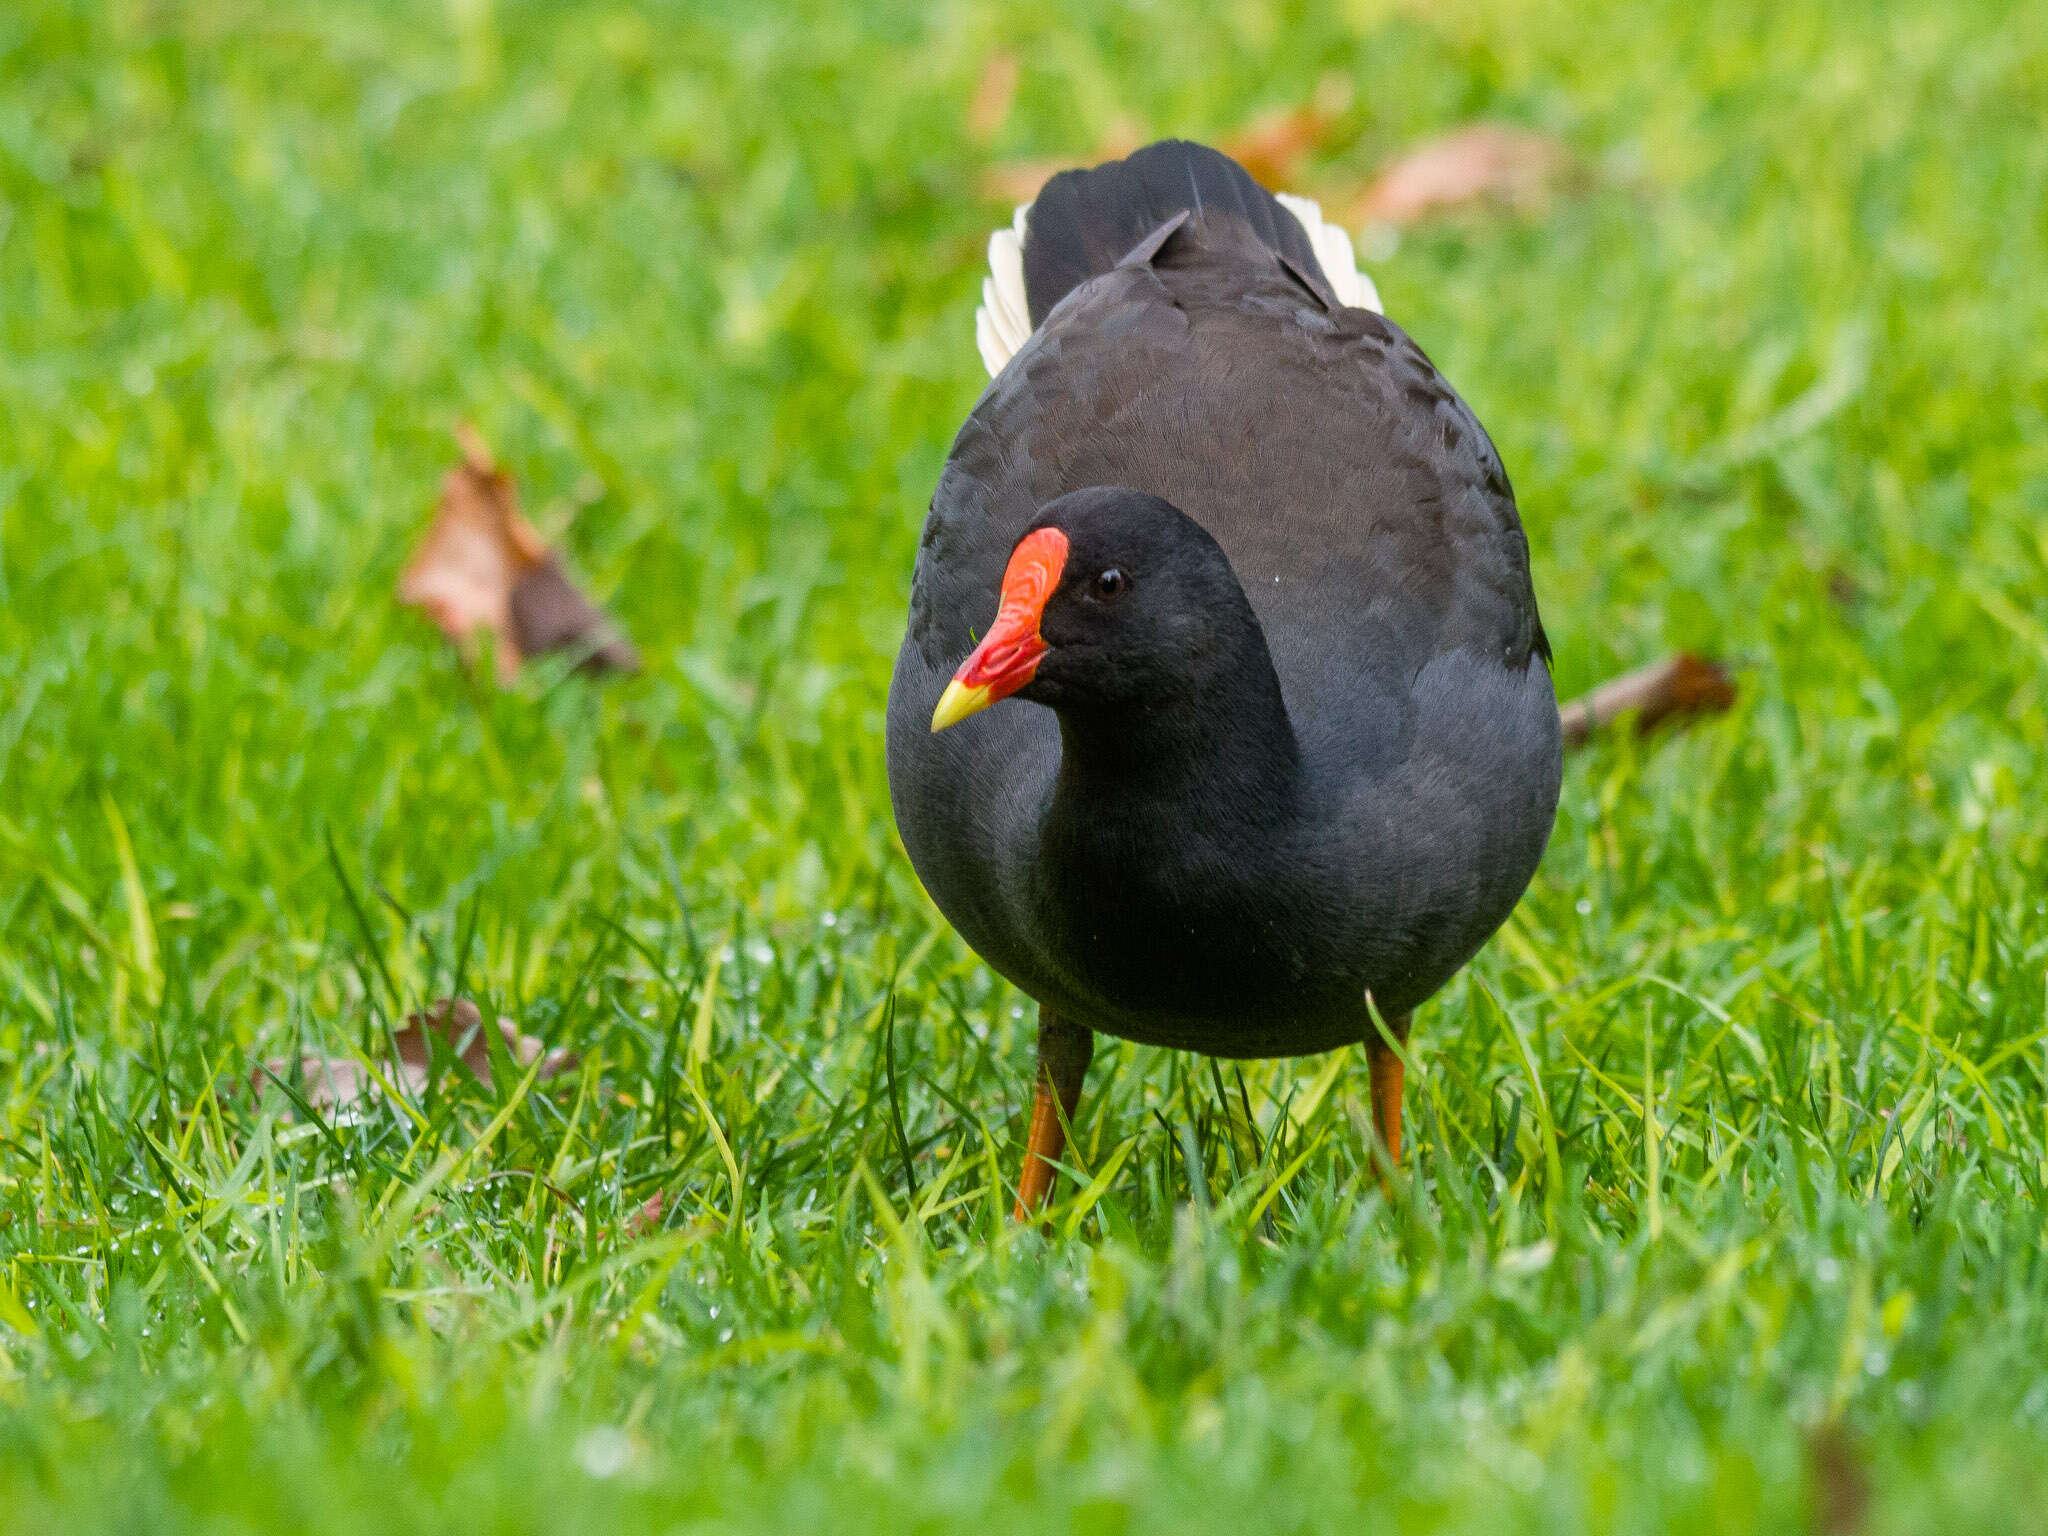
1584	906
604	1452
1686	1463
830	919
1524	1469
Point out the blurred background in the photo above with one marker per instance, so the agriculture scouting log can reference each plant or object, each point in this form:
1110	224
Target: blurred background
1765	371
1752	299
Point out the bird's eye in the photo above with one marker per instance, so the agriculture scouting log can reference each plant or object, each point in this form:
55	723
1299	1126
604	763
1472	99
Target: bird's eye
1111	583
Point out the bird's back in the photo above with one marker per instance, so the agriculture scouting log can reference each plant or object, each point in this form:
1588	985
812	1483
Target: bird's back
1361	505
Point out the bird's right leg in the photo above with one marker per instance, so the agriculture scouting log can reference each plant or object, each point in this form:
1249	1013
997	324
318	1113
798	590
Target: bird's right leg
1064	1051
1389	1074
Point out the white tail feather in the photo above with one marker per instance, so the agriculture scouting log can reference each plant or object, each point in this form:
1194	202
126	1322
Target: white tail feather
1003	323
1333	254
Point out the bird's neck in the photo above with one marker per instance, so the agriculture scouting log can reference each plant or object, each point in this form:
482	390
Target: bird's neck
1221	764
1168	851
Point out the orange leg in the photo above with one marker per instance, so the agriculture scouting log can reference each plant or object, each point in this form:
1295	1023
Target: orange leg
1063	1054
1388	1074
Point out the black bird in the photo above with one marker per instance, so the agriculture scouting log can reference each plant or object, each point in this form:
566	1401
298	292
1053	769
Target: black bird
1284	748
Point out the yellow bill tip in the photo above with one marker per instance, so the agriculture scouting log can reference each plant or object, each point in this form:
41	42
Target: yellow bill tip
957	703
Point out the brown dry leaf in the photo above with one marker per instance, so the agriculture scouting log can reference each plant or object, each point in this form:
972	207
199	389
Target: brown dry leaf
482	566
648	1217
328	1082
1018	181
1482	163
342	1083
1676	688
459	1023
994	94
1273	145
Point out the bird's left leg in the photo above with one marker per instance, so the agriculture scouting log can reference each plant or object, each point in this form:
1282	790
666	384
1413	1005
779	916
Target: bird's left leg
1388	1076
1064	1051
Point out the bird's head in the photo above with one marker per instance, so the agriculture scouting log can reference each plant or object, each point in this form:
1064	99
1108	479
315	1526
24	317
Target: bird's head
1113	600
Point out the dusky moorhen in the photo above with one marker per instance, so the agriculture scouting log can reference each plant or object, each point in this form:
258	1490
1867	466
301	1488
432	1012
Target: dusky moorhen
1260	569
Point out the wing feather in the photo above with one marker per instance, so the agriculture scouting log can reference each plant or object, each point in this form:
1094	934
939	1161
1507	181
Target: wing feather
1002	324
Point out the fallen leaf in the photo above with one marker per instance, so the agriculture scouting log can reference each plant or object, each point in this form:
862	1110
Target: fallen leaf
648	1217
460	1024
1018	181
549	614
994	94
481	565
1677	688
1273	145
342	1083
328	1082
1482	163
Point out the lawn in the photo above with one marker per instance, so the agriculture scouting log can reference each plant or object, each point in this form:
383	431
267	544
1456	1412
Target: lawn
1727	1208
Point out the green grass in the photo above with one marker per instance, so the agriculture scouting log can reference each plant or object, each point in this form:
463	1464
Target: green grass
1738	1130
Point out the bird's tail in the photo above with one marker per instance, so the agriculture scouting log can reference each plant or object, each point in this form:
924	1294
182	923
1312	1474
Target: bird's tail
1085	222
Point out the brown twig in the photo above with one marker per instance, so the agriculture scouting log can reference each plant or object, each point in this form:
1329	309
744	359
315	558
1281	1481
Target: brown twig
1676	688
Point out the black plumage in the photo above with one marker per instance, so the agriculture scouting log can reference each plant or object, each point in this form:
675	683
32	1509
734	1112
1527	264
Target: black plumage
1312	749
1084	222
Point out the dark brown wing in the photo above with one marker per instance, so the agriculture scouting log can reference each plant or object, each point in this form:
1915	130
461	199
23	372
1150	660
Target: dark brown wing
1362	506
